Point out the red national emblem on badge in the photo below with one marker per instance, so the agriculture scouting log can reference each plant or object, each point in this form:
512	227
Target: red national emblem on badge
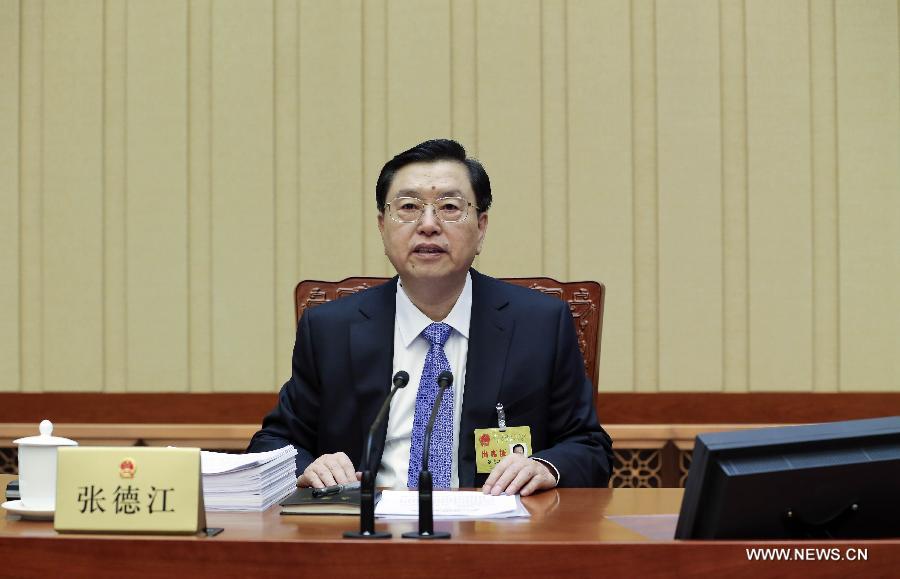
126	468
485	439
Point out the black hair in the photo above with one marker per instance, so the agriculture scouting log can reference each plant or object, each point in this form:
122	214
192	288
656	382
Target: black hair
429	152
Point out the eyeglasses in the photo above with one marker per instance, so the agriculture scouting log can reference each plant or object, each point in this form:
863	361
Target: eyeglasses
411	209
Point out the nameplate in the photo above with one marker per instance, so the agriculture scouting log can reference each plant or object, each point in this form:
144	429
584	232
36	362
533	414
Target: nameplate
129	490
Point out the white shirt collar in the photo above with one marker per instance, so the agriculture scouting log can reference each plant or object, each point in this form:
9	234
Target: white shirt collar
411	321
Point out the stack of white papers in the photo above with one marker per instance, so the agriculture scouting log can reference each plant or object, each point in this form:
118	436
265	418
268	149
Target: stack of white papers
247	482
451	505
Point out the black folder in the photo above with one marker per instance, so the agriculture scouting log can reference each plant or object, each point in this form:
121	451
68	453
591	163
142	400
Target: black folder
309	501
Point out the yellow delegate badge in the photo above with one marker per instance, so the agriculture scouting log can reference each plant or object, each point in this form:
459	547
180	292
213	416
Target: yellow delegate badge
493	445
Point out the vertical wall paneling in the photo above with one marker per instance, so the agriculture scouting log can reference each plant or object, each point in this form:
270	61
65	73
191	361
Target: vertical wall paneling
646	212
330	152
554	138
200	194
464	77
10	375
735	364
509	105
374	130
73	195
868	117
826	354
600	213
730	169
463	47
115	291
418	79
690	195
243	242
31	101
779	189
157	202
287	238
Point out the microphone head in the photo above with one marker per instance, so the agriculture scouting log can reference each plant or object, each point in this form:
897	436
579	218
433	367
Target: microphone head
401	379
445	379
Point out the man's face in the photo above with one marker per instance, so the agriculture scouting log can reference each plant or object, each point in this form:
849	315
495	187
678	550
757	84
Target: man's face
430	249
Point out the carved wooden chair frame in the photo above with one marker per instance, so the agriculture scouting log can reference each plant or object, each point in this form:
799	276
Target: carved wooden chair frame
585	299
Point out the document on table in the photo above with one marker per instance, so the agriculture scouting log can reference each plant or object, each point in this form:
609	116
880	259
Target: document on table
220	462
451	505
247	482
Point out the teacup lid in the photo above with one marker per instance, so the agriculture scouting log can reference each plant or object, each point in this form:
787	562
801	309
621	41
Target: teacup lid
45	439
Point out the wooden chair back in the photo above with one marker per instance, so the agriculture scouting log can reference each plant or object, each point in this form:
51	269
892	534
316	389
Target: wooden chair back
585	299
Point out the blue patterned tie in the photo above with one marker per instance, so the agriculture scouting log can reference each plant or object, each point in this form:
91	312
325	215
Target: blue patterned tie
441	459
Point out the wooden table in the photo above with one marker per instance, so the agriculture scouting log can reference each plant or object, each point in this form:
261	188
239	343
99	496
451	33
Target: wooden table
572	532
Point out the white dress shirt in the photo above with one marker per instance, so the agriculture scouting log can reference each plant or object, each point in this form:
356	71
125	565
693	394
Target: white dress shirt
410	349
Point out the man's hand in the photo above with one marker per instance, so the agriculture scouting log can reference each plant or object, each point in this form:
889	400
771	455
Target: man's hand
517	474
329	470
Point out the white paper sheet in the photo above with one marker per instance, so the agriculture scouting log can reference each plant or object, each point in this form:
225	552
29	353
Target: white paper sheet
451	505
221	462
247	482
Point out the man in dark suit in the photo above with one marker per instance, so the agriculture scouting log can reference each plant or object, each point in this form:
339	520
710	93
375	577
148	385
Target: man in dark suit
505	345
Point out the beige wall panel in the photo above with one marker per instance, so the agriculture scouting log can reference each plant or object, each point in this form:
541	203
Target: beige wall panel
780	204
554	140
157	201
690	196
509	127
115	294
600	173
286	180
31	199
10	379
728	167
463	59
374	139
331	212
464	77
826	352
73	195
646	206
869	181
418	75
200	194
243	244
735	366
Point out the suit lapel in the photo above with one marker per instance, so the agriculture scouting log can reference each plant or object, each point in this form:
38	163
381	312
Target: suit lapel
490	332
372	355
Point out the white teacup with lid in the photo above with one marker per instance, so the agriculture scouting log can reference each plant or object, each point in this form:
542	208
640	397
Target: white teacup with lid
37	467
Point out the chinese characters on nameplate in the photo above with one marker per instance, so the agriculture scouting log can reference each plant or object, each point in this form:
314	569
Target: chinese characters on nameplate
128	489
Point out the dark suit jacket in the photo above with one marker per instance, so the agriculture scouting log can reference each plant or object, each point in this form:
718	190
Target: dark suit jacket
522	352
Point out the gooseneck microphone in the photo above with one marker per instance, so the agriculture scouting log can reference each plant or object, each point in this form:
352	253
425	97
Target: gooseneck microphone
367	486
444	380
426	498
401	379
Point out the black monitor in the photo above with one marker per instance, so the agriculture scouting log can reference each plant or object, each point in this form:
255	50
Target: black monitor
838	480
